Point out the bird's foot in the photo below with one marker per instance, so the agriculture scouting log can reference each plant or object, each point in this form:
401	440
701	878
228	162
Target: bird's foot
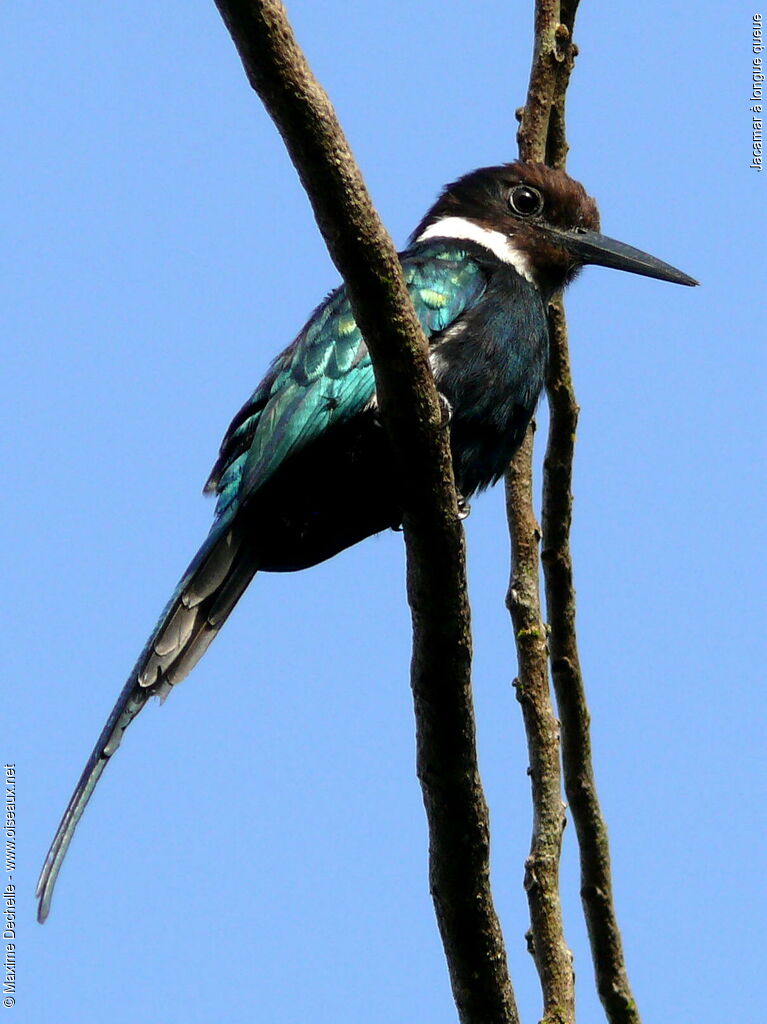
446	410
464	508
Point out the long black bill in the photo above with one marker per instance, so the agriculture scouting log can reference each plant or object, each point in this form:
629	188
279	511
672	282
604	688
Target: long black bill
591	247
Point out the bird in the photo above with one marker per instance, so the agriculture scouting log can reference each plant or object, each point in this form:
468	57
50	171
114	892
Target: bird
304	469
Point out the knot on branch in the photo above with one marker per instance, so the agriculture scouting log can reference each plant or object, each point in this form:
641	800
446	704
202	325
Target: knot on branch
553	557
594	894
561	43
562	666
531	880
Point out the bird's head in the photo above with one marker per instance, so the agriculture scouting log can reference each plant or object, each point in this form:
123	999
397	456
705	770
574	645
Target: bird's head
537	219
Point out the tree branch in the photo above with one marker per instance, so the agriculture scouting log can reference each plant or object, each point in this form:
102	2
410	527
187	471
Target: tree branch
546	938
537	138
542	137
580	786
410	412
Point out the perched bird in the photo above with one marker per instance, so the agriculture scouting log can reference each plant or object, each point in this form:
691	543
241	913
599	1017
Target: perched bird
305	470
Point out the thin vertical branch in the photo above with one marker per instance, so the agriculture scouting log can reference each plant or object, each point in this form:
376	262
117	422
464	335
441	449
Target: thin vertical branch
553	52
542	137
596	881
410	412
546	938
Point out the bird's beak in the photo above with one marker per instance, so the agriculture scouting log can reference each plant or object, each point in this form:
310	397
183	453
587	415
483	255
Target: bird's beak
591	247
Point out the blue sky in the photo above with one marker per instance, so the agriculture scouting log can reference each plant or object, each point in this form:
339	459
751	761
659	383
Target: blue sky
258	848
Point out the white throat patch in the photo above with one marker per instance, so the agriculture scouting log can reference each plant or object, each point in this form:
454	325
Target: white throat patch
495	241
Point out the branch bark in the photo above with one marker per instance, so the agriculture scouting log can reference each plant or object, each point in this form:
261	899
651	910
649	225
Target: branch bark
542	137
410	411
596	879
546	939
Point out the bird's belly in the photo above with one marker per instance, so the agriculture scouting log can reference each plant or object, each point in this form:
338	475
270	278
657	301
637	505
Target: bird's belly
483	447
336	493
343	487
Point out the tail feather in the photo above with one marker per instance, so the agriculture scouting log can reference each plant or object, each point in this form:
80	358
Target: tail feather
229	594
209	589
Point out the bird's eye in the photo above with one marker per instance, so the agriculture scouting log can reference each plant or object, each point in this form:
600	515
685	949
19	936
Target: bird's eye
525	200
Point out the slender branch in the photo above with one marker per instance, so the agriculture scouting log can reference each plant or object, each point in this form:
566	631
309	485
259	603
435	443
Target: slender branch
596	882
542	136
546	937
409	408
551	51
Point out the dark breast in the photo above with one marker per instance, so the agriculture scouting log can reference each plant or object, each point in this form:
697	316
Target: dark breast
332	494
491	368
343	487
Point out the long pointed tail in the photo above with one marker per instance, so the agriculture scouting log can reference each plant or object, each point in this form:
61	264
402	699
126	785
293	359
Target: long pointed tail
208	591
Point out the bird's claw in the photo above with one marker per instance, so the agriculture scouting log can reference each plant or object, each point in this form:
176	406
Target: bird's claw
464	508
446	409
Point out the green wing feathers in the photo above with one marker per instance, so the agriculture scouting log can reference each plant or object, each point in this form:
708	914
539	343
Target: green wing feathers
326	376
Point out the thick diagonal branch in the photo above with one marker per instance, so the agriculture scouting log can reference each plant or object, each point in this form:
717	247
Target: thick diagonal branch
409	408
